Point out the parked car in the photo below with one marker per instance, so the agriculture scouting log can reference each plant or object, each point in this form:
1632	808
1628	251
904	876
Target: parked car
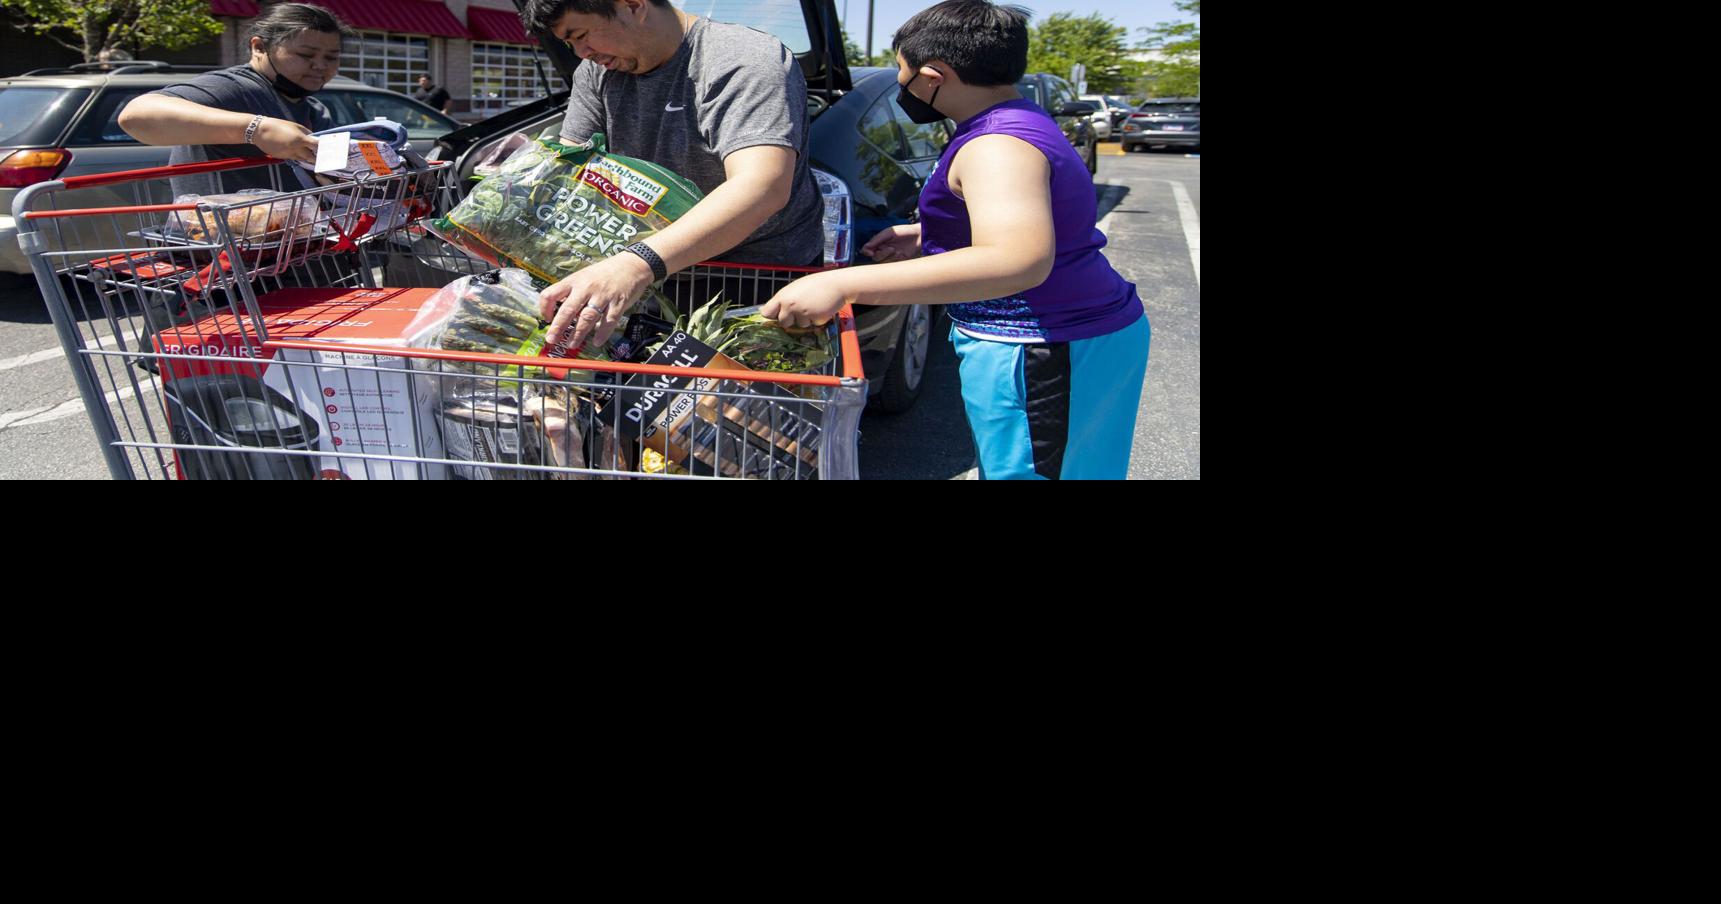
1164	122
56	123
1116	109
1058	98
869	159
1097	118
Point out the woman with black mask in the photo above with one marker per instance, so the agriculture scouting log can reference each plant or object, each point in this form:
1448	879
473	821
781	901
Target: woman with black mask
263	108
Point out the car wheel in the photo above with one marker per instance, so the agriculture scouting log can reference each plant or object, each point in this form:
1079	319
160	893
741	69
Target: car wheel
908	368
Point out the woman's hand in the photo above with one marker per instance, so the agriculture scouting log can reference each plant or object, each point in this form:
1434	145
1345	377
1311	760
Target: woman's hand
285	140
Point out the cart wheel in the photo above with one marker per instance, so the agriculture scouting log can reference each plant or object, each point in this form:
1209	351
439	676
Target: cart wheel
907	374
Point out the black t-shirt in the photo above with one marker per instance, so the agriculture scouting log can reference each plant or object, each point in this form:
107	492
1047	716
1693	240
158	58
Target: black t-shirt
436	97
240	89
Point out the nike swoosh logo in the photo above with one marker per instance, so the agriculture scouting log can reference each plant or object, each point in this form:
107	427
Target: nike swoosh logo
673	109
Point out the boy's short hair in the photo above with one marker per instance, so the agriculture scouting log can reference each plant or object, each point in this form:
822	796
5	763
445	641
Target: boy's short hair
985	43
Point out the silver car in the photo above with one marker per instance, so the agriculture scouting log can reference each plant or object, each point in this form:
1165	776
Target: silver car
1164	122
65	122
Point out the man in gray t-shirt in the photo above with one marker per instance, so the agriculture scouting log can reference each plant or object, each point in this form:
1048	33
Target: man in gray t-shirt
723	105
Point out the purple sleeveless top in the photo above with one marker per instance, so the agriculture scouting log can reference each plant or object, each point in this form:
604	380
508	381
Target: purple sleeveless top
1084	297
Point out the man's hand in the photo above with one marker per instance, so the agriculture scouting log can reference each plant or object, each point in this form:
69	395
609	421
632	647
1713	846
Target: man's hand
898	243
808	301
592	302
285	140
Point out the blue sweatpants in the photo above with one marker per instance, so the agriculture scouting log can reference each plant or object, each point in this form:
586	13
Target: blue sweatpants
1054	411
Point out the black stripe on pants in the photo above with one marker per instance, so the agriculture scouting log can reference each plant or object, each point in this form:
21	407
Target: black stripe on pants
1047	379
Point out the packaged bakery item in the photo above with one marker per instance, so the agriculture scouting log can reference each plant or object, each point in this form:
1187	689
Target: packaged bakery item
255	215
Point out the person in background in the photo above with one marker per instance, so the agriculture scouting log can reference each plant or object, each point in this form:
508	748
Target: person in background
433	95
263	108
1052	341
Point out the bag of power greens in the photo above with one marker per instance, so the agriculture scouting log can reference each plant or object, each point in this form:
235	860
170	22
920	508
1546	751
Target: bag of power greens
553	208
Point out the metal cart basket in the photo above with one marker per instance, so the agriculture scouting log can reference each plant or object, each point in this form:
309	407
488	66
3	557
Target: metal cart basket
223	339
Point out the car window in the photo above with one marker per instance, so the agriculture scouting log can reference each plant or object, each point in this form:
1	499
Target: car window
1061	94
880	128
421	122
1030	89
33	115
340	106
1171	109
923	140
101	126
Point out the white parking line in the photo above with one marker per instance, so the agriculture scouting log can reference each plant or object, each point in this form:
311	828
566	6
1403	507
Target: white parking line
64	410
1191	225
47	354
1186	214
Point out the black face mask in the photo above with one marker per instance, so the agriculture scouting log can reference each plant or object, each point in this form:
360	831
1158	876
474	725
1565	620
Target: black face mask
289	89
920	112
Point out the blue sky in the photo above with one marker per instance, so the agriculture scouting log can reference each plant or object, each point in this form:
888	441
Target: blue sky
888	14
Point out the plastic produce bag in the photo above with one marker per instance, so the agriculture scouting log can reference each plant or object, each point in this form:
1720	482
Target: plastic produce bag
553	209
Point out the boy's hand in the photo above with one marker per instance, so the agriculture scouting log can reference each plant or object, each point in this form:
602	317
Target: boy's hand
898	243
808	301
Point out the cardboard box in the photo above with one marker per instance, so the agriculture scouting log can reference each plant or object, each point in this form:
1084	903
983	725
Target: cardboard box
361	411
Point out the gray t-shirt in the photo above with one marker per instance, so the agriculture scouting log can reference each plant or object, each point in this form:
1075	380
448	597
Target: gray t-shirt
729	87
240	89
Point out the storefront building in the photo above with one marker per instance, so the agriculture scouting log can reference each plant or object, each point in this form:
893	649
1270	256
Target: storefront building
476	49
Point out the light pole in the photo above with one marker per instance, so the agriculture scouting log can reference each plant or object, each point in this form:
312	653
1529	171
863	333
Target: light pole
869	32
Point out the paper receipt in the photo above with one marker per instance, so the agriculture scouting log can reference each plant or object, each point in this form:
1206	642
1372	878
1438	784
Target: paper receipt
332	151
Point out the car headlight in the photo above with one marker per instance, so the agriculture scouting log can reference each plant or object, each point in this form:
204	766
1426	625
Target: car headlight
839	218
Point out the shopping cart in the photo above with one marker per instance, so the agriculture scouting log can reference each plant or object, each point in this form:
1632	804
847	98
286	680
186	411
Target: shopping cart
225	340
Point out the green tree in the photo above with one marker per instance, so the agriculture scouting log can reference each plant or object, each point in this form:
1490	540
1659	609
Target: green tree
857	57
1178	72
1062	40
95	27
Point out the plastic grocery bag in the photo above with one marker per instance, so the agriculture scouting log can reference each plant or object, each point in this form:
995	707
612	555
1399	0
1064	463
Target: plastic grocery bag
496	313
553	209
500	414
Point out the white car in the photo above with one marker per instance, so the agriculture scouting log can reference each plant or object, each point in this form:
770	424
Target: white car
1112	112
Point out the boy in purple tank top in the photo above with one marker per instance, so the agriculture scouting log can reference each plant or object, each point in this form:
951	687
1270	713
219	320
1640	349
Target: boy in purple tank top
1052	341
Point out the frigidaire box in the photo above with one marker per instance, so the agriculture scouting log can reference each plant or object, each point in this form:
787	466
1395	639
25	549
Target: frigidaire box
348	410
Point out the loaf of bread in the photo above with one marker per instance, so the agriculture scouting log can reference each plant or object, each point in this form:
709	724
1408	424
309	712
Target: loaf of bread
256	217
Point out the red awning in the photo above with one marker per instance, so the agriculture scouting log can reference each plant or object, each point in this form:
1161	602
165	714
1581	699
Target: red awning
496	25
238	9
413	17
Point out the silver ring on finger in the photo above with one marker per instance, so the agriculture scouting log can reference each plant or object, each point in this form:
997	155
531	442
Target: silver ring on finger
595	307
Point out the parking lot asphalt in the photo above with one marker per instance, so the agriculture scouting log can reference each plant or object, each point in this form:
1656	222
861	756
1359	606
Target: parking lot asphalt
1149	206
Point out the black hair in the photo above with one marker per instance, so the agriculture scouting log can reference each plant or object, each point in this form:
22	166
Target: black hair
985	43
286	21
540	16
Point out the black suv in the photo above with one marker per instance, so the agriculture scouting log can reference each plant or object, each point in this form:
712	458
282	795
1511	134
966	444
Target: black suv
1058	98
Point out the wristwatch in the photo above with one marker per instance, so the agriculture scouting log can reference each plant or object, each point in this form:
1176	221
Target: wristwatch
659	270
